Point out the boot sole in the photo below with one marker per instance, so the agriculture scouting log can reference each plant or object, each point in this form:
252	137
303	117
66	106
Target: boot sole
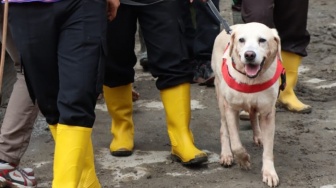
121	153
306	110
195	161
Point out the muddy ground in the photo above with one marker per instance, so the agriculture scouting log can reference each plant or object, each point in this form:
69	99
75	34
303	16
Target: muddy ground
305	145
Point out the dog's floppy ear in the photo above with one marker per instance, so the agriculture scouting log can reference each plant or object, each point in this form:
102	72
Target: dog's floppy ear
232	38
278	41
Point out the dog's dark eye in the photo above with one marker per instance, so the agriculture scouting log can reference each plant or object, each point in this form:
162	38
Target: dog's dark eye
261	40
241	40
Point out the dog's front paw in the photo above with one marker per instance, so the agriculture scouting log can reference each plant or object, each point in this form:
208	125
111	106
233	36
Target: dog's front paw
226	160
257	141
270	177
242	158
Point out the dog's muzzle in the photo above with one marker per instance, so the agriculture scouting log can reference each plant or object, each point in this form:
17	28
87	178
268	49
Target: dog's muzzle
252	69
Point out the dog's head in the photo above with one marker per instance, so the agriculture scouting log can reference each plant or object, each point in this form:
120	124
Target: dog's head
254	47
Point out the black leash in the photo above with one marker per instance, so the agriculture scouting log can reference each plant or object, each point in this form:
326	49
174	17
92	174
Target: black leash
219	18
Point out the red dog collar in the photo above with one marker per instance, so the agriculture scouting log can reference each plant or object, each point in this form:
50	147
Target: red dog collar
246	88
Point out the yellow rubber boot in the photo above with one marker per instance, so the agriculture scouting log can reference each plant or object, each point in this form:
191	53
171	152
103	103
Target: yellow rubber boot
88	178
176	101
287	98
120	107
69	158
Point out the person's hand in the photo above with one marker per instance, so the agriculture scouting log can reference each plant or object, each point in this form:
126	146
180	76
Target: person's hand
112	7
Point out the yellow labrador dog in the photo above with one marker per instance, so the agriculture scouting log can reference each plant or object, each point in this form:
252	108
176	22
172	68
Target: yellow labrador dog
247	67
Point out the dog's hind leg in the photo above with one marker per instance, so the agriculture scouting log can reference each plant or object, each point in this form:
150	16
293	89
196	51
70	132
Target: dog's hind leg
267	125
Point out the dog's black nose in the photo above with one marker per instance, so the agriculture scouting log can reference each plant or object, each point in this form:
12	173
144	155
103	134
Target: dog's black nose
250	55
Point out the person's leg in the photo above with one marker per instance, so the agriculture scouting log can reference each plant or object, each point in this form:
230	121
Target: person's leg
188	18
20	114
290	19
258	11
80	63
166	47
207	29
119	76
18	123
38	58
67	65
143	59
15	134
168	57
